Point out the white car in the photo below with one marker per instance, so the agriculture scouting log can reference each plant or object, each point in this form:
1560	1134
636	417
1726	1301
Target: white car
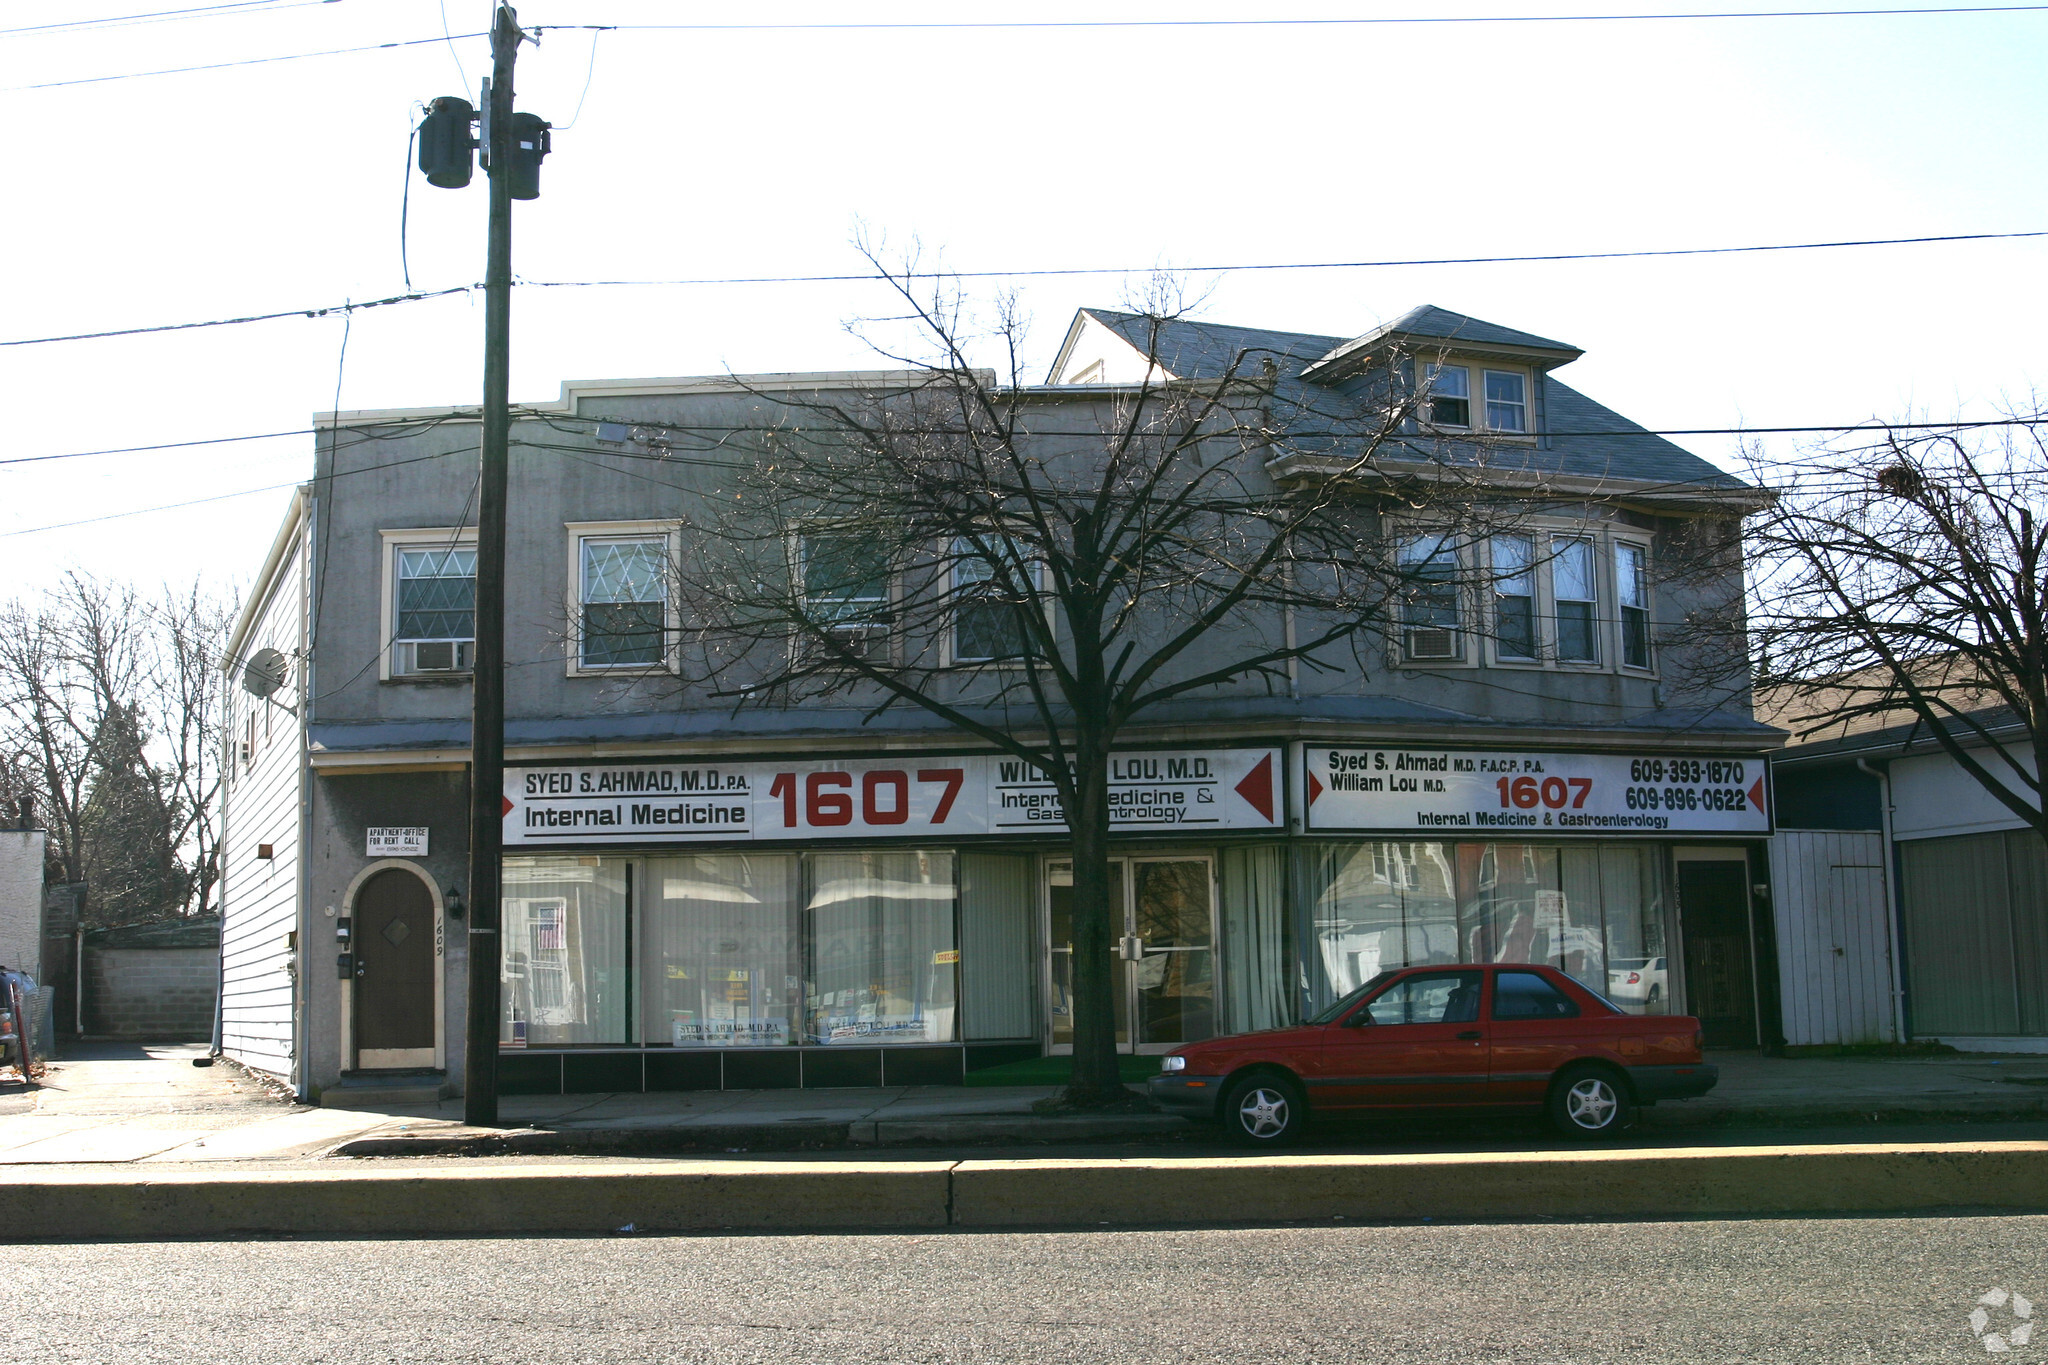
1636	982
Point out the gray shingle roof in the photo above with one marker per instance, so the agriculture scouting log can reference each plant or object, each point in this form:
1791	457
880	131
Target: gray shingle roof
1587	439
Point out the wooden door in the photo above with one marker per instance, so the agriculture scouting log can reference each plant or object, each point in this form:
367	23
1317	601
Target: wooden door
1720	970
394	944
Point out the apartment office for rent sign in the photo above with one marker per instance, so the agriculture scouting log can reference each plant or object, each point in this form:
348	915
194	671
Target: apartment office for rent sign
1533	794
891	798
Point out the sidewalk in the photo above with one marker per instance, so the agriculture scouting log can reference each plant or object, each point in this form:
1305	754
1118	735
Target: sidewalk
150	1105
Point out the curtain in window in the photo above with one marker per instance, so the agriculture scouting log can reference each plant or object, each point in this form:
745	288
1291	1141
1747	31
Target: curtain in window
885	964
1254	938
999	972
717	956
564	952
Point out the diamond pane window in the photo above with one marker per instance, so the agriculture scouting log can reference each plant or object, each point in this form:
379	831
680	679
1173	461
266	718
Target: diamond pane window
437	594
625	602
986	623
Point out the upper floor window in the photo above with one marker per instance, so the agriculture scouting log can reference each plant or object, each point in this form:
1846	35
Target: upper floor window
846	588
1429	599
1576	599
1631	585
624	602
435	609
988	624
1514	597
1450	395
1507	406
1504	399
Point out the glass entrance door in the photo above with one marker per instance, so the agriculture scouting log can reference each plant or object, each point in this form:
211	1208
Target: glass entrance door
1164	912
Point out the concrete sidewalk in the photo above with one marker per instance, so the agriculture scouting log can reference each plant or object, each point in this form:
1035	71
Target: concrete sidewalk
149	1105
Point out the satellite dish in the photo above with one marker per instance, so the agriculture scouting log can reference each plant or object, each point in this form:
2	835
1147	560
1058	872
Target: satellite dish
265	673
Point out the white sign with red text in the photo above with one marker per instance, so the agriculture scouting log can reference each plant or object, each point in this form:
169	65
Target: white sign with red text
1532	794
907	797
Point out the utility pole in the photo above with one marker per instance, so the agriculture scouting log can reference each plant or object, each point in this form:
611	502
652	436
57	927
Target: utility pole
487	659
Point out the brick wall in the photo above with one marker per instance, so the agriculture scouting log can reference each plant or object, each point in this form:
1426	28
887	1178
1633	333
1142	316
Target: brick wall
160	994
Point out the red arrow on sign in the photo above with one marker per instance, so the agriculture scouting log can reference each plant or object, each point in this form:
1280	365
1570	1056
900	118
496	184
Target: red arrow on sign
1756	794
1257	787
1315	789
508	805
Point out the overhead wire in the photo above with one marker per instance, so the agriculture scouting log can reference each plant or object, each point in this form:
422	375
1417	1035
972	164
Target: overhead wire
224	66
228	11
1046	273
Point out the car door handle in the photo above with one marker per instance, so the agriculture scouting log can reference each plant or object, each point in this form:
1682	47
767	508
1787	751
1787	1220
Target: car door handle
1470	1035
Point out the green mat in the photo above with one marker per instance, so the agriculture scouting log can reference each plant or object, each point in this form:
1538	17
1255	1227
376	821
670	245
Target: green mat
1056	1071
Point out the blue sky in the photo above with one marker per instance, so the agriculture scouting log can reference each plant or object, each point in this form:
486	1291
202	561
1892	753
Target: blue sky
276	186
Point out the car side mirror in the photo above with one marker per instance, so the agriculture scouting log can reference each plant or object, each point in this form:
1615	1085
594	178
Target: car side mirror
1358	1018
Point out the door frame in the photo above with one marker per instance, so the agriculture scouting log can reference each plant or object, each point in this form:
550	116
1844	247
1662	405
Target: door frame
1205	855
1736	853
349	1051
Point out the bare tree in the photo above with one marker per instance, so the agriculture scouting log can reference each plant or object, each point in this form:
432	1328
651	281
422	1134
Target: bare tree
1905	580
109	711
1041	569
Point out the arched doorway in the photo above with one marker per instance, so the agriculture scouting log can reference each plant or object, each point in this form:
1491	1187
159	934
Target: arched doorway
396	964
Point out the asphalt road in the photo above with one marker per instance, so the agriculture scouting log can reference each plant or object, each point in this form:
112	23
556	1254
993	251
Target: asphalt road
1885	1290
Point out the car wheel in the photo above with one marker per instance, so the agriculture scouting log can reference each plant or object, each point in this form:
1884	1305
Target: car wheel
1656	994
1264	1111
1587	1102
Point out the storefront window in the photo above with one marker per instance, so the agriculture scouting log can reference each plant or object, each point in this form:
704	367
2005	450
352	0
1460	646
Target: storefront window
1593	911
716	947
884	962
564	952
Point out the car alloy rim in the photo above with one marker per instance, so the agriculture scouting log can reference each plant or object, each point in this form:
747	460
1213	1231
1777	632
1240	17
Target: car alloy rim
1263	1113
1591	1103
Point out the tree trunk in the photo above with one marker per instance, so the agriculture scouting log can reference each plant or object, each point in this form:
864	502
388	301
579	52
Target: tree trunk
1098	923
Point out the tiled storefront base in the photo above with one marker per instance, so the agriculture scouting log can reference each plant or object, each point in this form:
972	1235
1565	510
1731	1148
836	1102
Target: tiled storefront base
583	1072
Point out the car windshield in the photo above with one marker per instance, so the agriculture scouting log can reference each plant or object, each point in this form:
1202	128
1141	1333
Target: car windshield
1329	1014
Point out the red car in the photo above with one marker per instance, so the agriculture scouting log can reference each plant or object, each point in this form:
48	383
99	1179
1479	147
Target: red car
1501	1036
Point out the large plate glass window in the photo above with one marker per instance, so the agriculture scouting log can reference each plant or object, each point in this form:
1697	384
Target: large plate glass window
718	943
1574	599
1631	585
884	960
436	617
625	602
1514	597
563	931
1429	599
846	588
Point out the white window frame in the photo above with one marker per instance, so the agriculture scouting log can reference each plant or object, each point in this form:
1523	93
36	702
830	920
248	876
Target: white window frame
670	534
416	538
1476	371
952	657
1593	541
891	590
1404	536
1608	635
1533	570
1485	400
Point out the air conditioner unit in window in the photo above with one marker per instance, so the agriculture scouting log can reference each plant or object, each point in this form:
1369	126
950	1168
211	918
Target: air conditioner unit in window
440	656
1432	643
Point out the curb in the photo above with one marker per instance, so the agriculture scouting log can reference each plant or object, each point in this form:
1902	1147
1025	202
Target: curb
783	1137
789	1196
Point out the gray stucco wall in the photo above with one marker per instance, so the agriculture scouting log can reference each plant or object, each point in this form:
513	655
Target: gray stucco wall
158	994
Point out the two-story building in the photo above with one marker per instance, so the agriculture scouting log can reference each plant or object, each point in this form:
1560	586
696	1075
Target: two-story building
702	896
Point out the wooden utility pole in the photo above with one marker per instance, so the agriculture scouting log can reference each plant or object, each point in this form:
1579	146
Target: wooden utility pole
487	659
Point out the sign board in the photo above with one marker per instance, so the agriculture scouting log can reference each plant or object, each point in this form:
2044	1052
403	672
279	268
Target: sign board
886	798
1533	795
398	841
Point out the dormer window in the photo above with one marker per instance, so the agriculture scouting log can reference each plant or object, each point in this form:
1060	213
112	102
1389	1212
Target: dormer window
1450	395
1505	404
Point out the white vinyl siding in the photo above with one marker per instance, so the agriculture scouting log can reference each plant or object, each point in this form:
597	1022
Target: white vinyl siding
259	896
1828	891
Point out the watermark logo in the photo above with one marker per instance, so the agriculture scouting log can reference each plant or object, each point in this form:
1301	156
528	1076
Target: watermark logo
2002	1320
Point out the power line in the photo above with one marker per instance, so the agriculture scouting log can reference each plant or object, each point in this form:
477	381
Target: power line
223	66
1330	22
327	311
229	11
870	278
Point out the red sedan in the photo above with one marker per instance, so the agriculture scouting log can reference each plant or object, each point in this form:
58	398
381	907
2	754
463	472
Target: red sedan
1500	1036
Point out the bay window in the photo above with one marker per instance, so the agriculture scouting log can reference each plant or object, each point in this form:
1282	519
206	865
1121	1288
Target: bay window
1514	597
1632	589
1429	599
1574	599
